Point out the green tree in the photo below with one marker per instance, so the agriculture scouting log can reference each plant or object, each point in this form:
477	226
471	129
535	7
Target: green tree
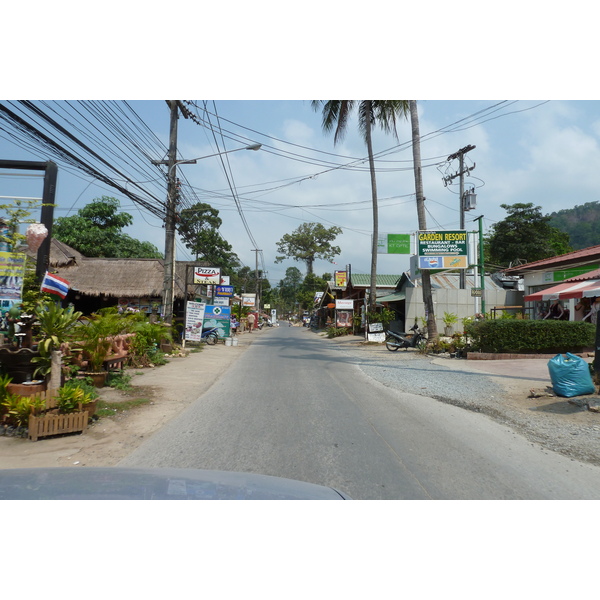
524	234
370	113
96	231
307	243
288	288
310	285
582	223
198	228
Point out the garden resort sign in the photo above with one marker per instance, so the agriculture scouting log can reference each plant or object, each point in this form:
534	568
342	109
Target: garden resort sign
442	249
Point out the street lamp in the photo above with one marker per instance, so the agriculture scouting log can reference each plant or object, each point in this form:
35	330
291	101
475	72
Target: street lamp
169	264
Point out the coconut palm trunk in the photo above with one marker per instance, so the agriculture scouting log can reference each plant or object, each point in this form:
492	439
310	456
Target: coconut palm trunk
370	112
432	332
373	287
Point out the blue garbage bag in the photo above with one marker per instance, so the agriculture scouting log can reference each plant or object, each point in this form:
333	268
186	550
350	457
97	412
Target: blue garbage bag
570	375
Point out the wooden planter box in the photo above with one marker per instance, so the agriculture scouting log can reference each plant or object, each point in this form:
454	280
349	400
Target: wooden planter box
56	424
46	425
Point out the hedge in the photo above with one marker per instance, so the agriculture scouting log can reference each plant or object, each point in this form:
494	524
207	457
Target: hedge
525	336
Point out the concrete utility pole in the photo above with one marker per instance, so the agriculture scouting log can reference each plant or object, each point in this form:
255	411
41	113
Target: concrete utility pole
169	265
461	173
256	277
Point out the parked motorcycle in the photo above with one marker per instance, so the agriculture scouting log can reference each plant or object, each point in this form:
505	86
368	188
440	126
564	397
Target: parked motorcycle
210	335
394	340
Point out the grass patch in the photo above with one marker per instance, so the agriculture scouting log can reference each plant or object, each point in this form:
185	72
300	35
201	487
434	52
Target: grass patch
110	409
119	380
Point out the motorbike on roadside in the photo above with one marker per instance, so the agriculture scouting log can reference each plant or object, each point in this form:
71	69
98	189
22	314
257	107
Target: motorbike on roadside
210	335
394	341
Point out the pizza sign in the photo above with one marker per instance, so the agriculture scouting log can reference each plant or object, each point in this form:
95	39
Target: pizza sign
207	275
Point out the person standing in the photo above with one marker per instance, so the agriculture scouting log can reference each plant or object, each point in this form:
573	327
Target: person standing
593	314
251	319
555	312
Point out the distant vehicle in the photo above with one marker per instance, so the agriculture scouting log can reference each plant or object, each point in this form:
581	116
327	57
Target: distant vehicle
115	483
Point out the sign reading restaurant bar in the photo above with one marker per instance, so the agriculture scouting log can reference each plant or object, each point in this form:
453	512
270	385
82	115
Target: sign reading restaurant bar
442	249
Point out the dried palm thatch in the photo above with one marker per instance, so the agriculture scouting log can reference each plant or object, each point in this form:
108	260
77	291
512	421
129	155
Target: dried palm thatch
61	255
123	277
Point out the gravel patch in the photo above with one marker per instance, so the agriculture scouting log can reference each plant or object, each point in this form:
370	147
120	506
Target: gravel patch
568	426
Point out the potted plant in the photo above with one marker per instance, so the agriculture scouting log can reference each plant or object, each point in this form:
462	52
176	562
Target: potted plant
449	320
72	398
94	336
55	325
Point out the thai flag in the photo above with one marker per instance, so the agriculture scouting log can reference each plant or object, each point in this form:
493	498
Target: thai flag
53	284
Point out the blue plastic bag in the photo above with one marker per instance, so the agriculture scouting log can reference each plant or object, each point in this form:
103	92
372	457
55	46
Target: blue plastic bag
570	376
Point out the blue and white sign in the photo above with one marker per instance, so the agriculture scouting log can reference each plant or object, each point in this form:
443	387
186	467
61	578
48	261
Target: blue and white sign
224	290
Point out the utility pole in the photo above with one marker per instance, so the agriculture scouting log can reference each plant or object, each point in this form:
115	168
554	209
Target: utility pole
169	265
461	173
256	278
481	264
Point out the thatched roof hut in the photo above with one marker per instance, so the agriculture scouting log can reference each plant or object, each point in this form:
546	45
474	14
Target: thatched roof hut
123	277
61	255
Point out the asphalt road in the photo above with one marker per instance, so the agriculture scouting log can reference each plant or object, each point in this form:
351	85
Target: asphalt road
294	407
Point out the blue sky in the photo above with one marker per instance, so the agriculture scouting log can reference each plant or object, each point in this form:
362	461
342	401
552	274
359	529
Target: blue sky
464	65
539	151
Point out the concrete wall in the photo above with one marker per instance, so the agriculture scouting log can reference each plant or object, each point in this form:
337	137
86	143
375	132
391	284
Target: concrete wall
458	302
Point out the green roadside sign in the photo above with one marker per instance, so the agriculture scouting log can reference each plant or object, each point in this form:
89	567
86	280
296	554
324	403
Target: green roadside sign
393	243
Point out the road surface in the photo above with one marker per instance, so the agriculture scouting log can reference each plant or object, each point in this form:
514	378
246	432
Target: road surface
293	406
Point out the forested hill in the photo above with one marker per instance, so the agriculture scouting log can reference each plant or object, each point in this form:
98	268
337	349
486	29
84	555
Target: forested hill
582	223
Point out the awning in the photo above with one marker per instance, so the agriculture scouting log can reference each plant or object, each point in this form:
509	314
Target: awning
395	297
564	291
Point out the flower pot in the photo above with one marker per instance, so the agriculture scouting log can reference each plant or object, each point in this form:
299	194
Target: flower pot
448	330
98	378
16	362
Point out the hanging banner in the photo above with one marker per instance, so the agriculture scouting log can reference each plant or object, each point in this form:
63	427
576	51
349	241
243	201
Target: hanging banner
442	249
207	275
194	316
12	275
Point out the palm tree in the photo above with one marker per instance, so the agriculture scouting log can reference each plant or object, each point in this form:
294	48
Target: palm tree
370	113
432	332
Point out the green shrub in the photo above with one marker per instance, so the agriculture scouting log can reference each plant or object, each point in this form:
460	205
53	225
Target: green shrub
18	408
526	336
333	332
69	398
144	345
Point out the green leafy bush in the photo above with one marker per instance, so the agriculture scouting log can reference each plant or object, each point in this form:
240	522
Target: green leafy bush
333	332
144	345
69	398
526	336
18	408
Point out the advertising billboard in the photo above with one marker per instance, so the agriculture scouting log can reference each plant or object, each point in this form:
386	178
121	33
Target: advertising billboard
442	249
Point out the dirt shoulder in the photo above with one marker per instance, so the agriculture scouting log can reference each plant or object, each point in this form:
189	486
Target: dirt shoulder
169	389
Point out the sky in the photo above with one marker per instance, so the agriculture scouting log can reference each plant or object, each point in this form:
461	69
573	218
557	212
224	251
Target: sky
539	151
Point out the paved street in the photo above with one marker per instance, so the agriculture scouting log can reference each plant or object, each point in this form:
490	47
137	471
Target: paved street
293	406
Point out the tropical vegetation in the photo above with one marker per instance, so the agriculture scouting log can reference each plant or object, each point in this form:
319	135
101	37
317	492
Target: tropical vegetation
336	114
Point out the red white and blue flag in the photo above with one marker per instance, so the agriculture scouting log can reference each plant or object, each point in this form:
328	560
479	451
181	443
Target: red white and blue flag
53	284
